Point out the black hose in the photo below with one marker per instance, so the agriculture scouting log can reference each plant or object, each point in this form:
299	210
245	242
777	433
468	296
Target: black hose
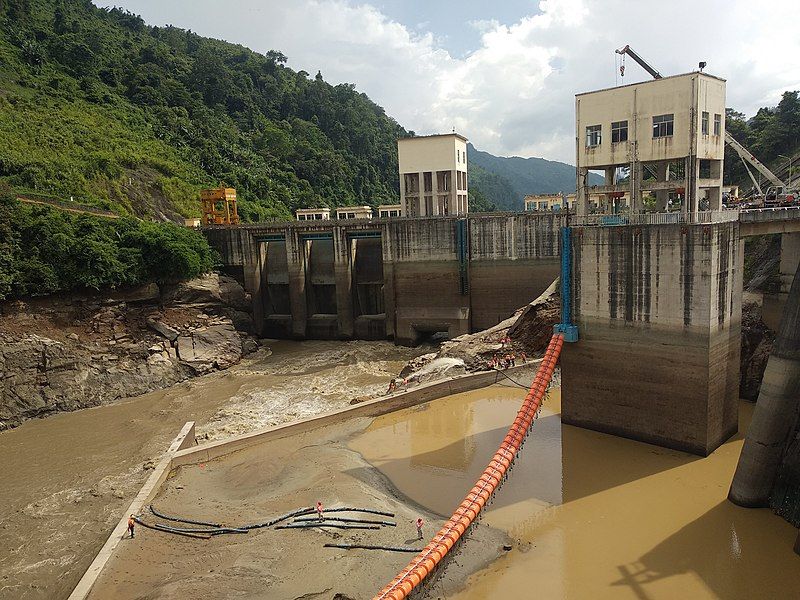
346	520
295	513
182	520
167	529
363	510
323	524
366	547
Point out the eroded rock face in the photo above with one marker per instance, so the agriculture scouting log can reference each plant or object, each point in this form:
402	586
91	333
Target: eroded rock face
41	376
209	348
66	353
757	341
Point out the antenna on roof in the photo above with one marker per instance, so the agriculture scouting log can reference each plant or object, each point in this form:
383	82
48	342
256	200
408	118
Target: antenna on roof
454	129
702	65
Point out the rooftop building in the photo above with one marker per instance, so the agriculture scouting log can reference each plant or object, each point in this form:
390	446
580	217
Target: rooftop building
433	175
312	214
354	212
669	133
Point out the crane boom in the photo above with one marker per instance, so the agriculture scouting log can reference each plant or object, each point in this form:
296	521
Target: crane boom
743	153
642	62
746	156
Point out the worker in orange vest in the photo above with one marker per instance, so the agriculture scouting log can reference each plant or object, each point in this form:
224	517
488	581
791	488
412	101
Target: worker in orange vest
131	525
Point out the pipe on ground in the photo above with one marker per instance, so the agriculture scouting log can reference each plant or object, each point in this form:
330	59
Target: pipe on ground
776	412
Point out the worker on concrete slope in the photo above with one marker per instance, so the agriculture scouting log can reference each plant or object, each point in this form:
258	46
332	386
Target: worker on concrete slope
320	512
131	525
419	524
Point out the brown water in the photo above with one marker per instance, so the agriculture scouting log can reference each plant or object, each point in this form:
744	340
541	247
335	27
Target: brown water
65	480
592	516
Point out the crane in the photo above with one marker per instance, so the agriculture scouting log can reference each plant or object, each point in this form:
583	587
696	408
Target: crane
778	188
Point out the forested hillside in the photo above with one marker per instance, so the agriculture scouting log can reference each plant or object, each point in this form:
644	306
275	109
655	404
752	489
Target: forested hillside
97	105
505	181
772	132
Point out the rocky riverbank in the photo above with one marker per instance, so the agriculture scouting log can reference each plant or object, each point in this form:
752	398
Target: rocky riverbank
66	353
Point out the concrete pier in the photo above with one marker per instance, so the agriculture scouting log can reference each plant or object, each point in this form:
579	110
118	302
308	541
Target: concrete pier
658	308
775	419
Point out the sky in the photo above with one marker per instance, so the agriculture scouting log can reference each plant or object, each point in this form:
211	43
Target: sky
504	73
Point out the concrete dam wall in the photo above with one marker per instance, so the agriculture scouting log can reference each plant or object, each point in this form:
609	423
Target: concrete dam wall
401	279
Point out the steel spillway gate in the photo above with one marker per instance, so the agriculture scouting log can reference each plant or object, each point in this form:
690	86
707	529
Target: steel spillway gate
495	473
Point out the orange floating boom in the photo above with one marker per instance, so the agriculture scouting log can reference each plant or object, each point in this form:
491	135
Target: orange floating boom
431	556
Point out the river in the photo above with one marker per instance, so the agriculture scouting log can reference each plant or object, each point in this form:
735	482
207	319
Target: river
67	478
591	515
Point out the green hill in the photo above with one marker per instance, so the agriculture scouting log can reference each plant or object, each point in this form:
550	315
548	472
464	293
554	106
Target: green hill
99	106
507	180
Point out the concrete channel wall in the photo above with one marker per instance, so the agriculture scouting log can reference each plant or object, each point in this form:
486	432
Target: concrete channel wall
658	308
185	439
326	279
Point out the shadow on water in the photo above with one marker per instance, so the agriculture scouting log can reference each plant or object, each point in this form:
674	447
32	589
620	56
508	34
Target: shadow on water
707	546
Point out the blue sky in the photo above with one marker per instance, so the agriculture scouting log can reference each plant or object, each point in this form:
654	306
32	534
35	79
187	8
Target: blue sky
504	73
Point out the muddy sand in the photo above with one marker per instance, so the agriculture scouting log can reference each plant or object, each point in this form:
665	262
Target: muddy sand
271	479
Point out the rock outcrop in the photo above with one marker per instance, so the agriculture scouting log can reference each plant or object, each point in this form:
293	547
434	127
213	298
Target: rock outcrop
66	353
757	342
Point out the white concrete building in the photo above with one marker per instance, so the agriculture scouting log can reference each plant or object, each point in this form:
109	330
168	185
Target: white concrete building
669	132
386	211
354	212
433	175
313	214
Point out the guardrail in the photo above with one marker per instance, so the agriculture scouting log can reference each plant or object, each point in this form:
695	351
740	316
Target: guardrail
665	218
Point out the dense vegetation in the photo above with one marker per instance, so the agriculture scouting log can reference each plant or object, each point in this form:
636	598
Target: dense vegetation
98	105
45	250
772	132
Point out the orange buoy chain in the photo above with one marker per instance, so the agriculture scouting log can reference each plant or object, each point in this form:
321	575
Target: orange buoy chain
464	516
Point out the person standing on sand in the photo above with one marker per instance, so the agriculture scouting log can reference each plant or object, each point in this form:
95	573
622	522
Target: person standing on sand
419	524
320	514
131	525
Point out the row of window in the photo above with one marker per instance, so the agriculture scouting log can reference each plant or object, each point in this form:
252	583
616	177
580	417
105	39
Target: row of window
663	126
717	124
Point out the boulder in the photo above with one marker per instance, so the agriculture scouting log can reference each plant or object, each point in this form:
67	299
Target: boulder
207	348
163	329
198	292
233	294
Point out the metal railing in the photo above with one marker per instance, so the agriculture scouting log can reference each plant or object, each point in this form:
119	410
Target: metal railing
664	218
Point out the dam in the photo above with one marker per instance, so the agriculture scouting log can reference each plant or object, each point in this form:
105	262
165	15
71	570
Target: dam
401	279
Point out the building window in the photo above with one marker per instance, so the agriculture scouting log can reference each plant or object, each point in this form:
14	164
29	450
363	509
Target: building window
663	125
593	135
619	131
717	124
704	123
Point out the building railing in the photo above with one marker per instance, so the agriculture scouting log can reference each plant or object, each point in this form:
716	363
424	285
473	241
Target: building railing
664	218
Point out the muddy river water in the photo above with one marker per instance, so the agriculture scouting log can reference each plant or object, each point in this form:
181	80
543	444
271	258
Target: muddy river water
591	515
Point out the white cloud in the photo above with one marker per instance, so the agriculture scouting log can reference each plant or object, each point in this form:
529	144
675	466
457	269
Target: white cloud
514	94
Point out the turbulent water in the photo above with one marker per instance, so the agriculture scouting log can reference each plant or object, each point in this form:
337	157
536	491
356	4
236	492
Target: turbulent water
66	479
